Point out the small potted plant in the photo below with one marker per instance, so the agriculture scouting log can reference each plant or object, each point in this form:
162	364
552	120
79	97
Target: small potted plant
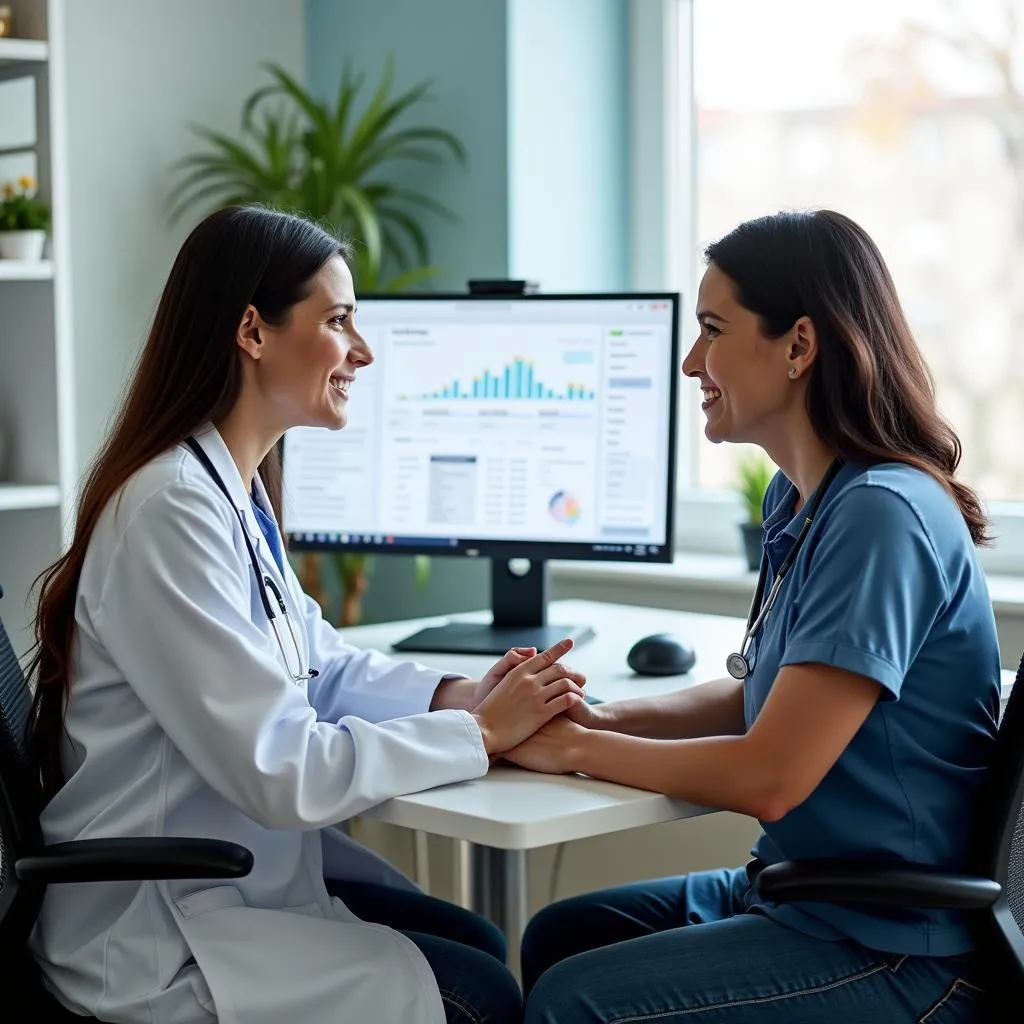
24	221
754	475
352	576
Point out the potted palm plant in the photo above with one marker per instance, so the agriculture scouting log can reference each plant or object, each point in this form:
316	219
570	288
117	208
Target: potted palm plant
754	474
331	161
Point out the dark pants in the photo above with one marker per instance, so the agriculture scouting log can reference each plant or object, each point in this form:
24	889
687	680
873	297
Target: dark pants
465	951
687	950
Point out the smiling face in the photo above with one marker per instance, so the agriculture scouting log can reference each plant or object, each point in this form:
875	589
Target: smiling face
303	368
752	384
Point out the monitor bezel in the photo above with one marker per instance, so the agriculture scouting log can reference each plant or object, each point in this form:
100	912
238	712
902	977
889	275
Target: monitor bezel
532	549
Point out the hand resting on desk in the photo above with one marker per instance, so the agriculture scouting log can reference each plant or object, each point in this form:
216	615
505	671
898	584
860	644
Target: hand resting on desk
552	749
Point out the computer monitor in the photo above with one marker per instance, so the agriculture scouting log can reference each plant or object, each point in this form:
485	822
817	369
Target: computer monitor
516	427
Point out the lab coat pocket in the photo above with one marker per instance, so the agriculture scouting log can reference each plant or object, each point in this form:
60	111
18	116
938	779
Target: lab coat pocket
221	897
204	900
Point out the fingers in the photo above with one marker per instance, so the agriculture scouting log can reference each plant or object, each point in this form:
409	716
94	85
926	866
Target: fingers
517	655
560	671
580	713
551	655
512	659
560	704
559	686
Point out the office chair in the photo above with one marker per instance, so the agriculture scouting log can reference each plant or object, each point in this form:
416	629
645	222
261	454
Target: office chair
27	866
992	893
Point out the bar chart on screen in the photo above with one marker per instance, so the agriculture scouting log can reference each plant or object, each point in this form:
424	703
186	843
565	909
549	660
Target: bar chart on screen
558	367
515	380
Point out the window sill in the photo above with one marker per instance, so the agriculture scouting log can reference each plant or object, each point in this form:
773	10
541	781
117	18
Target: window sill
724	577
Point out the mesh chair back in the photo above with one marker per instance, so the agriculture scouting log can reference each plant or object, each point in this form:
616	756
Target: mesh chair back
999	828
19	799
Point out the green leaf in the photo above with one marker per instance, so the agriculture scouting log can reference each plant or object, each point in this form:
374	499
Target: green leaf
367	218
754	474
312	108
235	152
403	282
224	192
421	570
419	199
349	87
410	226
325	161
393	247
404	145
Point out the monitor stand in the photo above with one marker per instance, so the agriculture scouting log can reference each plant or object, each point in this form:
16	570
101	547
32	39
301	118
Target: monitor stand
519	597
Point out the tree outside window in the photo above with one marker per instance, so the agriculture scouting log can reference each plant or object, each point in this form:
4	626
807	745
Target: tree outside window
908	115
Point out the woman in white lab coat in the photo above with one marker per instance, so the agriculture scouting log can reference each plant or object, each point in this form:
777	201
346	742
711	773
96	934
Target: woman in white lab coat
169	704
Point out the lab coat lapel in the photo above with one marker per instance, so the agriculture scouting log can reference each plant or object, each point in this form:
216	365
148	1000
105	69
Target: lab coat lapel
217	451
213	445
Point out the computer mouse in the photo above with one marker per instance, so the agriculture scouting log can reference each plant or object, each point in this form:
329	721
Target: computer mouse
661	654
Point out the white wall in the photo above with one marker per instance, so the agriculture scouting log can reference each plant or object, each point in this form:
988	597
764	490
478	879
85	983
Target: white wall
138	74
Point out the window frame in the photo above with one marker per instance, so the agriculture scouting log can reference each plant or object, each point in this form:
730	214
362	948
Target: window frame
663	204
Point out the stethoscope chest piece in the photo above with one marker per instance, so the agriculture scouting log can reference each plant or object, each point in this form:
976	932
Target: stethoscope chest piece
737	666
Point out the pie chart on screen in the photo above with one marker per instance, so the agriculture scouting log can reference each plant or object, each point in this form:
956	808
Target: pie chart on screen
564	508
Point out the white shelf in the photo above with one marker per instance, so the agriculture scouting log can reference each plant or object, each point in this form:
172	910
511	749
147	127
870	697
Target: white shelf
19	50
25	270
37	378
22	496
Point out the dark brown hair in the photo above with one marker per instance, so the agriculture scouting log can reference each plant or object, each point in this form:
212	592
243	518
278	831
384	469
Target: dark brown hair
188	374
870	397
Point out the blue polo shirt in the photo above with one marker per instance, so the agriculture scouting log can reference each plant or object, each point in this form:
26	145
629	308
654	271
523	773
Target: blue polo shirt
887	585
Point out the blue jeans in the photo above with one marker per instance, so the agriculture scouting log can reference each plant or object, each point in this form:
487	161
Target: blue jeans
687	949
465	951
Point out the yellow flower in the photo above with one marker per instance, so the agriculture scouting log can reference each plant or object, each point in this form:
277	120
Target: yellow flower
7	190
26	182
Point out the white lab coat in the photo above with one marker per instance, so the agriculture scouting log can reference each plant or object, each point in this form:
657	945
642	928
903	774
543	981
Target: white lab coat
183	722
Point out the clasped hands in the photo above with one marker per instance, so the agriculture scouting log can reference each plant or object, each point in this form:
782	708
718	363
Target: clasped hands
531	709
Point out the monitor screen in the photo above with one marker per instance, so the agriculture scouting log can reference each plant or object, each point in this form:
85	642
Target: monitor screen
534	425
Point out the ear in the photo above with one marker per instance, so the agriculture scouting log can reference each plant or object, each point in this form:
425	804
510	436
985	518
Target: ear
802	348
248	336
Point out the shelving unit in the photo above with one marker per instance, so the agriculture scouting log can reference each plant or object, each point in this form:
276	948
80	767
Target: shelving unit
36	416
18	270
23	50
25	496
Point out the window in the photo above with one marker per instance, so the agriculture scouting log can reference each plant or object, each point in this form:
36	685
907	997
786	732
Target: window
908	115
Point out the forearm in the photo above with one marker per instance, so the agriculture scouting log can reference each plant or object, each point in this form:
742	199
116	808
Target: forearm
720	772
710	709
454	694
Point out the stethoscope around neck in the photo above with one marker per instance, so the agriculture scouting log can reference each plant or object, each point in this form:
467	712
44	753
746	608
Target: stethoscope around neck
737	664
264	582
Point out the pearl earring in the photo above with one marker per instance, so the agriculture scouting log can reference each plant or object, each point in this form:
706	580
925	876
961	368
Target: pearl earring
792	371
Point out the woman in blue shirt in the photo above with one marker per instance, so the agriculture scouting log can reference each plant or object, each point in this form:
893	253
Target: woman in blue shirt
870	701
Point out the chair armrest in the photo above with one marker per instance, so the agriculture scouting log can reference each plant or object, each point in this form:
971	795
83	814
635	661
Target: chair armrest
133	860
856	881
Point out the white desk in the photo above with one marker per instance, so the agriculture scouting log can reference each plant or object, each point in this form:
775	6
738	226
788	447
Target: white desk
510	810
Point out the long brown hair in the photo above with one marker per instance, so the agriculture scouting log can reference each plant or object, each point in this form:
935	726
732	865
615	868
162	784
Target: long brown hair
188	374
870	398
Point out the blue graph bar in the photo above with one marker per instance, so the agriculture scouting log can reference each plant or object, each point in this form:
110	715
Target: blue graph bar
515	380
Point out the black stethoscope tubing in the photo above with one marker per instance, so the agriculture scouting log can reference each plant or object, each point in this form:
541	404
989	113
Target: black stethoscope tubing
263	581
736	663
